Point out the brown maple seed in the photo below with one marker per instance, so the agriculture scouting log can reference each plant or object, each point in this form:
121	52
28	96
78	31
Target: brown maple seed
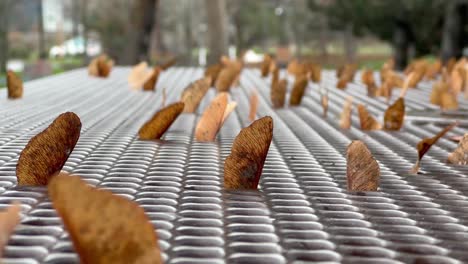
298	90
100	66
243	167
460	155
278	93
104	227
171	62
194	93
315	73
395	115
265	66
362	170
426	143
367	121
160	122
9	219
150	84
226	78
213	72
139	75
212	119
46	153
345	116
253	106
14	85
324	100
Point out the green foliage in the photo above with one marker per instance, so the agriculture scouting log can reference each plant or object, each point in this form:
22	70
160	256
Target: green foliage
380	17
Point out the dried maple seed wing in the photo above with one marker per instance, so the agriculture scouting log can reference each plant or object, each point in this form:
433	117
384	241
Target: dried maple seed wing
226	78
243	167
324	100
212	118
367	121
265	67
46	153
160	122
345	116
448	101
316	73
104	66
278	93
194	93
9	219
171	62
213	72
229	108
139	75
395	115
150	84
426	143
14	85
460	155
98	228
298	90
253	106
362	170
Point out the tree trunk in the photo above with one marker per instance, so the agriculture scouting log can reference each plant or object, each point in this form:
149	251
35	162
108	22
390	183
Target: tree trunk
218	36
75	17
84	22
401	44
452	35
40	31
4	9
349	44
143	17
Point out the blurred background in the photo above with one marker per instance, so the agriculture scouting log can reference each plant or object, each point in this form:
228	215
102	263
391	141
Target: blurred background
43	37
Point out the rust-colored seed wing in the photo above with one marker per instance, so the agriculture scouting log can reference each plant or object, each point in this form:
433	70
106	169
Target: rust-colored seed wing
265	67
362	170
9	219
226	78
394	116
14	85
104	228
426	143
367	121
315	73
298	90
93	69
194	93
213	72
150	84
448	101
324	100
160	122
104	66
46	153
212	118
253	106
243	167
460	155
278	93
345	117
171	62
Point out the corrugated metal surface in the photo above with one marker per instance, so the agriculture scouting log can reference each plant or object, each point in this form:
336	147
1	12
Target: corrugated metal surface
303	211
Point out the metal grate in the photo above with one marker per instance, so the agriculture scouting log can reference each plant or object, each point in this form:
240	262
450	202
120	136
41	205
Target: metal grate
303	212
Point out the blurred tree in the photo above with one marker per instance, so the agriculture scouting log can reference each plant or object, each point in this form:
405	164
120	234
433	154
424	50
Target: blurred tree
4	11
143	18
454	29
40	31
408	24
217	29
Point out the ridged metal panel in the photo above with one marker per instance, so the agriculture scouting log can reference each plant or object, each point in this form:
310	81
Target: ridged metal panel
303	212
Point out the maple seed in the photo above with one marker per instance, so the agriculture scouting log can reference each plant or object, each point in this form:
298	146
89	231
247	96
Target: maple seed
367	121
278	93
298	90
212	119
460	155
394	116
226	78
160	122
345	117
194	93
15	85
9	219
253	106
99	232
150	84
243	167
362	170
213	72
324	100
425	144
46	153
